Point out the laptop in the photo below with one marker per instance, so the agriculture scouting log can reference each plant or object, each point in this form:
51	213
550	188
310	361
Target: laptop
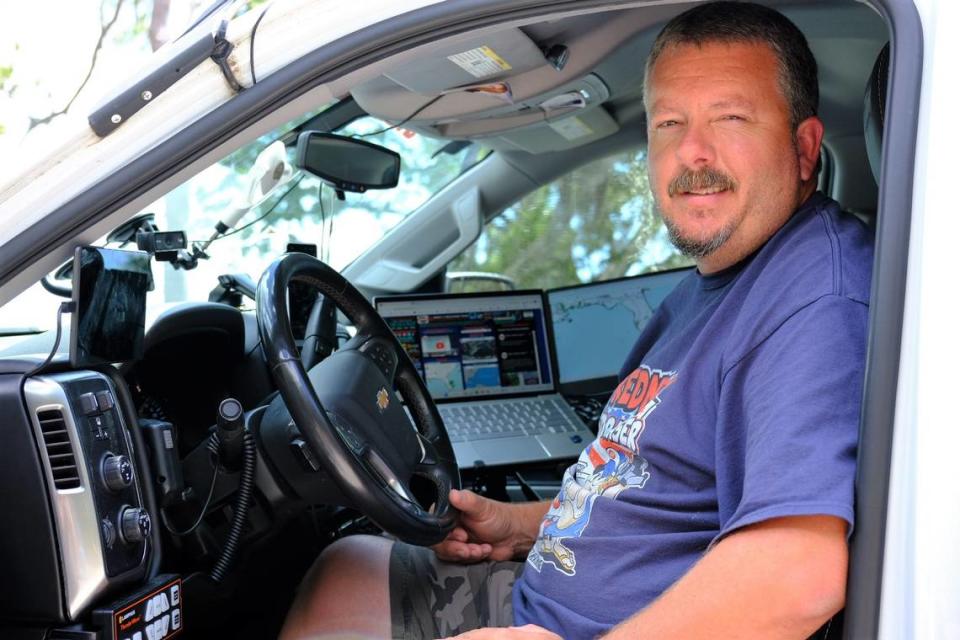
596	324
488	362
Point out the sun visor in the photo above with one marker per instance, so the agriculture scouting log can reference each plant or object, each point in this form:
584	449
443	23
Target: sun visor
566	117
561	134
502	75
485	59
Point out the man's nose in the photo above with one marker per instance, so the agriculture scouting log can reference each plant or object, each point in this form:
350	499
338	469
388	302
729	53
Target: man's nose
695	148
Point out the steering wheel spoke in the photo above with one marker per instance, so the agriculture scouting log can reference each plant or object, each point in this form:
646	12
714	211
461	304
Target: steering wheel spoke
430	456
355	342
382	470
383	354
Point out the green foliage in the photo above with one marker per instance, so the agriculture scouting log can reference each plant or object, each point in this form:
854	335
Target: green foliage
142	15
5	73
595	223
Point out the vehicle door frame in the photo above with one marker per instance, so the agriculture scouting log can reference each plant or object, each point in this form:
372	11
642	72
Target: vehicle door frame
381	40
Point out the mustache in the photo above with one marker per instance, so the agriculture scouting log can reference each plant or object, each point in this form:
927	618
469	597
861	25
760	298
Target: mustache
706	178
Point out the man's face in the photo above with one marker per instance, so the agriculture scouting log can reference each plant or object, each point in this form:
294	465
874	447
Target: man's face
726	167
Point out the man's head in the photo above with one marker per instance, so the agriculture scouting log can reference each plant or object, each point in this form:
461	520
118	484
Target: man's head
731	96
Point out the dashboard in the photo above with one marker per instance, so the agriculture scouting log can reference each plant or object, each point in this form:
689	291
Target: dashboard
195	355
86	523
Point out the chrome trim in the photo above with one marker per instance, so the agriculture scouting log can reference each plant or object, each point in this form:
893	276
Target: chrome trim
423	449
74	511
382	469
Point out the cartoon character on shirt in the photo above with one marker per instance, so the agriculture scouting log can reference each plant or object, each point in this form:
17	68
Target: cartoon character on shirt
610	465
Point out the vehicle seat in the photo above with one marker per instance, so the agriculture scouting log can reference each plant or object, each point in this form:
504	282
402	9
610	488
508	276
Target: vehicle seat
874	104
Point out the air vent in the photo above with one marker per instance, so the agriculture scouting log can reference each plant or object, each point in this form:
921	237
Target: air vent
56	440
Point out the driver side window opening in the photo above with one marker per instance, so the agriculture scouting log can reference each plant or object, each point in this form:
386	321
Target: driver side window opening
596	222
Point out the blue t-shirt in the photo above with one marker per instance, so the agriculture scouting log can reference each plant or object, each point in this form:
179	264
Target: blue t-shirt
739	402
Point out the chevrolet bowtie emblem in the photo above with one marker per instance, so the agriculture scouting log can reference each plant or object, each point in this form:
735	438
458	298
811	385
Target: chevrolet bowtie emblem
383	399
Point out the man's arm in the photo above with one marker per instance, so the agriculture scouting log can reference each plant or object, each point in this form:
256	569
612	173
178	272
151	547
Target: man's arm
781	578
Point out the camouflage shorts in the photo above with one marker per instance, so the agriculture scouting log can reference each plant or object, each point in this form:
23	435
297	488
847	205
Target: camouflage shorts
434	599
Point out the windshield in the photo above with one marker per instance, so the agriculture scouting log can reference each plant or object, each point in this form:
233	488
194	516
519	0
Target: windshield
303	210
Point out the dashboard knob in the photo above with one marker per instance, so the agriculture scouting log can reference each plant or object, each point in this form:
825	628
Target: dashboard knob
117	472
134	524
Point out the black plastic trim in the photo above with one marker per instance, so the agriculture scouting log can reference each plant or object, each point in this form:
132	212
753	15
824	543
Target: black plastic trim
115	113
894	213
142	463
337	116
193	318
333	60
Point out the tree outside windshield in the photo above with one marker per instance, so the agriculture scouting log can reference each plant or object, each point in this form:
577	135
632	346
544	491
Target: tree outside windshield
595	223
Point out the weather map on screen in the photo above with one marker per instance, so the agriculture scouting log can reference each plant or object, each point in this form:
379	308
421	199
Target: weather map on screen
594	325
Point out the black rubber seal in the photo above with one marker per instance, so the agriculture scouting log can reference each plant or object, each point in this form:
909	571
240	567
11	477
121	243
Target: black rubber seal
894	215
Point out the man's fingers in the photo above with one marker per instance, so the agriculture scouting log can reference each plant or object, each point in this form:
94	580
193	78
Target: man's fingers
468	502
459	534
462	551
470	552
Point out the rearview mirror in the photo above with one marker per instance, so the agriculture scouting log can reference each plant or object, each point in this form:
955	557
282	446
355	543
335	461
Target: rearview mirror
347	163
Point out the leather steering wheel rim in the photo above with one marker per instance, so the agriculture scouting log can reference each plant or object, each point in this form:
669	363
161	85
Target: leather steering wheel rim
334	444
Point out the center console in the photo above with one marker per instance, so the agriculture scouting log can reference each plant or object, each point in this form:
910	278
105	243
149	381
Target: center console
97	527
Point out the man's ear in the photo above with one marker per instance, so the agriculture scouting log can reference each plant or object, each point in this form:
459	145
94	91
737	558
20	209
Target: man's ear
809	136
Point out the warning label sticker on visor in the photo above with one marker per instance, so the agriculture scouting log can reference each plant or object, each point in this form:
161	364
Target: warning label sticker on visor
480	62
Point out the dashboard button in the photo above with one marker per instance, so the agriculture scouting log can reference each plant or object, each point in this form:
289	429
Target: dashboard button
104	400
109	532
117	472
134	525
88	404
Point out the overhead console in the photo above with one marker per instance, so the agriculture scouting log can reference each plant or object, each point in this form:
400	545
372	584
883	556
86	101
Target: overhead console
533	89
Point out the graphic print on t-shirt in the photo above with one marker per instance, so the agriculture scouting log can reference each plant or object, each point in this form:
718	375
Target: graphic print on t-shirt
610	465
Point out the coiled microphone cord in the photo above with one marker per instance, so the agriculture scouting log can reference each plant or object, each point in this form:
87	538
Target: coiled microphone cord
241	506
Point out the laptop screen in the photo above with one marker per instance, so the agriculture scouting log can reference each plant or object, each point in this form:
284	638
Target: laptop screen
596	324
474	345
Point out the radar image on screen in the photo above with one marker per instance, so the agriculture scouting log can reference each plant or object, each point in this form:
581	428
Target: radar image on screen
594	325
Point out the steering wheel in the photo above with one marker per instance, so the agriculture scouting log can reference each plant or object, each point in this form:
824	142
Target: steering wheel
347	411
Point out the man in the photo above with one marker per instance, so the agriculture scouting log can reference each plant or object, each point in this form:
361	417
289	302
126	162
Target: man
717	498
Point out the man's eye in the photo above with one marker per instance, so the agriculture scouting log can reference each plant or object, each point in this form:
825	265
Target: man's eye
733	116
666	124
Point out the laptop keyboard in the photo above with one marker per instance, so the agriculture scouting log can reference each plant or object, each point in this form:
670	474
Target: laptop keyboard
503	419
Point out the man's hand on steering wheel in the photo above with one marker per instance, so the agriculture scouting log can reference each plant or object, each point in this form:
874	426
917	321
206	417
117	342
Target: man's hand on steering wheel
489	530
